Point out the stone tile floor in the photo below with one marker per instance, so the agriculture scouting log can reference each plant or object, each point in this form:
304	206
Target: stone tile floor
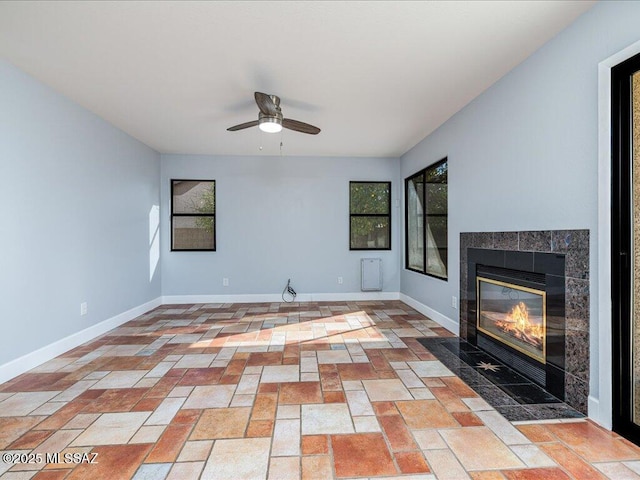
309	390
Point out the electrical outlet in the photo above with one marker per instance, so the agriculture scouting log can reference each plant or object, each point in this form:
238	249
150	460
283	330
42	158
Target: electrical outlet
83	308
340	281
454	302
225	282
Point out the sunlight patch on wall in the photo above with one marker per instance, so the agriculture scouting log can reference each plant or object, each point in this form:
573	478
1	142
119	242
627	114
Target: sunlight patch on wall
154	240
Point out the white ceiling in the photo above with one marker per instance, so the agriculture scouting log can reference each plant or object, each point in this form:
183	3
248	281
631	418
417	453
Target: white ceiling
375	76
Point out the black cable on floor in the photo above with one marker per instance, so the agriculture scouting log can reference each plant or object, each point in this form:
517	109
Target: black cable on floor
290	291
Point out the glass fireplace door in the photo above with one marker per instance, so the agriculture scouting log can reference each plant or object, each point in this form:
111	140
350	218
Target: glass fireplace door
513	315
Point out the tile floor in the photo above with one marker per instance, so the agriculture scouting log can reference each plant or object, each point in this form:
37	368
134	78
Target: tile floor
281	391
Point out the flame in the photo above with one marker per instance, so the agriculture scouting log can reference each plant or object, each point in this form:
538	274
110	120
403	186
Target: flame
520	315
520	326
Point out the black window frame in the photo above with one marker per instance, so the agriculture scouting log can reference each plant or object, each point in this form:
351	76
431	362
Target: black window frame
351	215
424	172
212	215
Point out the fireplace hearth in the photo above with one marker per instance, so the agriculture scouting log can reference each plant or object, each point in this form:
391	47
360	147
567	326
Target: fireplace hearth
524	300
516	397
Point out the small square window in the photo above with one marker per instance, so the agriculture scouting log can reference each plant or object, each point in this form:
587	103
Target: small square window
193	215
370	215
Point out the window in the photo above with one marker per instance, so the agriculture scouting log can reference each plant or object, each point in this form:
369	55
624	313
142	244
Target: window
426	220
193	215
370	215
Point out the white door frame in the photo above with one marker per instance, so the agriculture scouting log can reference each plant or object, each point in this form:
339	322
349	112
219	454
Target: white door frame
601	398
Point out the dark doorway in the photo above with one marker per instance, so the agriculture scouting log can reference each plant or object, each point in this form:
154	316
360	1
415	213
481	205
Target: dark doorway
625	247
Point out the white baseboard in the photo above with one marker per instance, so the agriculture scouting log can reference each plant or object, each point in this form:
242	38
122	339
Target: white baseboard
277	297
601	418
434	315
357	297
31	360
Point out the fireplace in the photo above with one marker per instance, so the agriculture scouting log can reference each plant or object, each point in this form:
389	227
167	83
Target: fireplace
555	262
513	315
516	312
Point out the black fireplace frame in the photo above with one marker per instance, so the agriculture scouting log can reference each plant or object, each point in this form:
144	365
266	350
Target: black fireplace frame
524	268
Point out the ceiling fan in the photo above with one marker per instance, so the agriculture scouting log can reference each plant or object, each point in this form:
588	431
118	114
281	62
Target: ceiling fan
270	118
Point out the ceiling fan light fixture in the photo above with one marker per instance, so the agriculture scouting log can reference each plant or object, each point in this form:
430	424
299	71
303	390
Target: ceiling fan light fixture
270	124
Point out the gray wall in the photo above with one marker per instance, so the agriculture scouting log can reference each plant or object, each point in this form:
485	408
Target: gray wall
75	207
277	218
524	155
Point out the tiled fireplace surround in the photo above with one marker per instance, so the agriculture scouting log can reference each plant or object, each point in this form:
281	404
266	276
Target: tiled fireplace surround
574	245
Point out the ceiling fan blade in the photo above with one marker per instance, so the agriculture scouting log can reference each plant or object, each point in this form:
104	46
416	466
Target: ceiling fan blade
265	104
300	126
242	126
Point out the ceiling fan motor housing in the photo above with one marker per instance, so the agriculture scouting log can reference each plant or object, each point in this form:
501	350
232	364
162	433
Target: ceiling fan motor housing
267	118
274	117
